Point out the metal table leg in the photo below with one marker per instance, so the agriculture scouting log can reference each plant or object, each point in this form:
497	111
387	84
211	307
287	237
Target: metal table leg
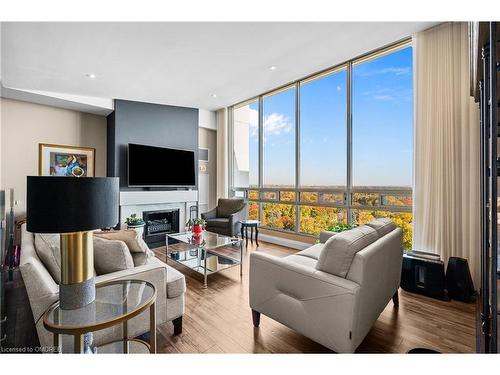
241	258
205	256
152	328
78	345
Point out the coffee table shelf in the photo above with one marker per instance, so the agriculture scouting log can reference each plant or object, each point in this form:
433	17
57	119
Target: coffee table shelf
206	254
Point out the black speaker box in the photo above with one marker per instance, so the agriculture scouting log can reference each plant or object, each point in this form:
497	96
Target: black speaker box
423	273
459	280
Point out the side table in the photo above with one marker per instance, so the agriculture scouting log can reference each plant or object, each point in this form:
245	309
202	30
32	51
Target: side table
116	303
245	224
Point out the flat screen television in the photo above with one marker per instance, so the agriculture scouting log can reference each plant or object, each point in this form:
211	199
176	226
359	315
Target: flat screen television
150	166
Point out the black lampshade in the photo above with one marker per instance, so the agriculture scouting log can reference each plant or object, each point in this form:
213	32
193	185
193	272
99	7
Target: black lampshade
71	204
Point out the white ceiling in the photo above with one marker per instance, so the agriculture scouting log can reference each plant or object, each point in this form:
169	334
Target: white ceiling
181	63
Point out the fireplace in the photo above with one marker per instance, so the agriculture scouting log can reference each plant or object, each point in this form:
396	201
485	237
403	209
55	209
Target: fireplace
158	224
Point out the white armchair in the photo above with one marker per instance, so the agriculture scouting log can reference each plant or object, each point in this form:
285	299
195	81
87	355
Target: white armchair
302	292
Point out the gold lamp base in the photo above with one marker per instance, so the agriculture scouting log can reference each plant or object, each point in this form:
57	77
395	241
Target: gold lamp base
77	288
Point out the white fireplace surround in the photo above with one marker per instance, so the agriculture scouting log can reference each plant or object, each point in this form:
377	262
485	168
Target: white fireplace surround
136	202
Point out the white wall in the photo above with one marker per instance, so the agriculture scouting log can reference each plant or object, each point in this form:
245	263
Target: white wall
24	125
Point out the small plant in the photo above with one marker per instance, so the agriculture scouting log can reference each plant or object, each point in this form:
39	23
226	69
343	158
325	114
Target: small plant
133	220
196	221
340	227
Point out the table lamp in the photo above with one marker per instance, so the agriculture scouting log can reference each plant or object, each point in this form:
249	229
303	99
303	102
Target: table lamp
73	207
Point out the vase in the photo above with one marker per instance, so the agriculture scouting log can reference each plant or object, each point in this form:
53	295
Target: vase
138	228
197	229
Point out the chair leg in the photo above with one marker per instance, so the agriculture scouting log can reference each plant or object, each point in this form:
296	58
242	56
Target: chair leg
177	325
395	299
256	318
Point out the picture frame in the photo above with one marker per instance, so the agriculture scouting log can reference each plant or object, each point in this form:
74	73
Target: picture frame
65	161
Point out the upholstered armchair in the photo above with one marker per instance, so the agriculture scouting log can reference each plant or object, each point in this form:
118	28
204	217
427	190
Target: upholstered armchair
225	218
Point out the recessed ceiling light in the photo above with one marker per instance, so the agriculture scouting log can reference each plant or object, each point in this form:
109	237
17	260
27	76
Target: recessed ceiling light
213	95
90	75
272	67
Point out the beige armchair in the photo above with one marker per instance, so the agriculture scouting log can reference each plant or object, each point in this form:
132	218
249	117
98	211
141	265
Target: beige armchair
332	292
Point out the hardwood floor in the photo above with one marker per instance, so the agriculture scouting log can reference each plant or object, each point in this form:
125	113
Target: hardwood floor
219	320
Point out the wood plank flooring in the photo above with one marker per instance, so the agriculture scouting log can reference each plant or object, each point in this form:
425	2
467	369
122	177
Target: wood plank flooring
219	320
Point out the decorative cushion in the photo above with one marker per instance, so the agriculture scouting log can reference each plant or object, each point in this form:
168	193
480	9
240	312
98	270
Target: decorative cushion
339	251
111	256
48	249
227	207
132	239
382	226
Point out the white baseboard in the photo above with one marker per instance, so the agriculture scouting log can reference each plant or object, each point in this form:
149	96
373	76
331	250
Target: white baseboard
284	241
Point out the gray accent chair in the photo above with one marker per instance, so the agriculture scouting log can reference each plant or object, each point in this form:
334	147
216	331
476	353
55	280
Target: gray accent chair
226	217
332	292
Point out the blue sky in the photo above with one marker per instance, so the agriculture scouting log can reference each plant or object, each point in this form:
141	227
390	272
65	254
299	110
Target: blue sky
382	128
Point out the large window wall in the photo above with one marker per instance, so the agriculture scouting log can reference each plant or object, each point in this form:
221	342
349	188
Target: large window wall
332	148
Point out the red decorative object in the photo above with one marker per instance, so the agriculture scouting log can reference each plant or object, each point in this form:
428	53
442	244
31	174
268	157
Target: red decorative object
197	229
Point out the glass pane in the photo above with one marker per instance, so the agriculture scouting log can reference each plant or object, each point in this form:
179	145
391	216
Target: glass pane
287	196
382	107
323	131
278	216
314	219
246	145
401	219
307	196
279	139
253	211
336	198
253	194
271	195
365	199
397	200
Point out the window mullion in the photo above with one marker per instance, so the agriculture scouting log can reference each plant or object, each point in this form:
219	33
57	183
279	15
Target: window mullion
349	142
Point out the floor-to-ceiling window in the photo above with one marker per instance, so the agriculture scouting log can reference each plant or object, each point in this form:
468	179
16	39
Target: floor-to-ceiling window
382	137
333	148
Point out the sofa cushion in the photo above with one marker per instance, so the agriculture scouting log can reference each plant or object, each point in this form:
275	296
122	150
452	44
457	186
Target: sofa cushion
339	251
111	256
132	239
176	283
218	223
227	207
313	251
303	260
141	259
48	249
382	226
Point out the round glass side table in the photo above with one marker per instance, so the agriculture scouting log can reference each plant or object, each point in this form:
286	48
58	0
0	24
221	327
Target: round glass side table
116	303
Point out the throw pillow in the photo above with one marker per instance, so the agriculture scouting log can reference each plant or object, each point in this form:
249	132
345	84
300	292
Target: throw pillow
339	251
47	247
111	256
132	239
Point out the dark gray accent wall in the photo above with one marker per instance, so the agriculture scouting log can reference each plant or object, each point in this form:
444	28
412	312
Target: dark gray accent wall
148	124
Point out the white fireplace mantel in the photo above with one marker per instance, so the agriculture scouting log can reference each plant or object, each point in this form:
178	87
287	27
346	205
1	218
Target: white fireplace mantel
135	198
137	202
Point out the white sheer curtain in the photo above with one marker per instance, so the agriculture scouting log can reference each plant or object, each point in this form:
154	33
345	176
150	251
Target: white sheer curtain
222	154
446	176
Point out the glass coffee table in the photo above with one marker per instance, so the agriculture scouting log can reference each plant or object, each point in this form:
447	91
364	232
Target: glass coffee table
206	253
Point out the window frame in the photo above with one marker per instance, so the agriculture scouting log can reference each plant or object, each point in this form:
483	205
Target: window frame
349	190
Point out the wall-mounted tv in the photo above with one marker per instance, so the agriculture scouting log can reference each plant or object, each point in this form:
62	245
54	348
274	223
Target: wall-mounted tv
150	166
